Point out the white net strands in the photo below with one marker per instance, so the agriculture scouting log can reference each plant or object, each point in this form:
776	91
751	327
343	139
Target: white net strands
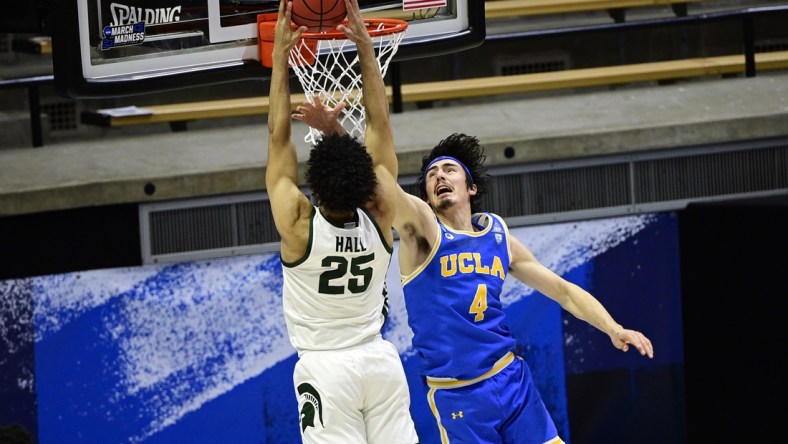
335	75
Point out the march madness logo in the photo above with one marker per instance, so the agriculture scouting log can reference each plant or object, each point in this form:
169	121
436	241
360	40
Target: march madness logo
128	23
123	35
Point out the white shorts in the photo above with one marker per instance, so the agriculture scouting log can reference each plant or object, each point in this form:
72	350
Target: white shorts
354	395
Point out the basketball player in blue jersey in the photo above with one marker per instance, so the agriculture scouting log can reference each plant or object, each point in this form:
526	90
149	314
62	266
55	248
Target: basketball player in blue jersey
349	381
447	243
453	261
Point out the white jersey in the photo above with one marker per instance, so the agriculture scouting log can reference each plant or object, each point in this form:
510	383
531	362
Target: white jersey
335	296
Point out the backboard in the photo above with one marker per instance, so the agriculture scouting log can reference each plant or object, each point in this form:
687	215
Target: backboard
112	48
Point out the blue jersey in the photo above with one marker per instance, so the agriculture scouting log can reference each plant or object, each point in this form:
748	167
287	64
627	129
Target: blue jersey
453	301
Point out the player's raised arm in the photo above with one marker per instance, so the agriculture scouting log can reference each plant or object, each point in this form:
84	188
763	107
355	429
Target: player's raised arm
288	203
574	299
378	137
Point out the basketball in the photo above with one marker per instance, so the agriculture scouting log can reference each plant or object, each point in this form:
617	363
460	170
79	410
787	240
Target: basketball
318	15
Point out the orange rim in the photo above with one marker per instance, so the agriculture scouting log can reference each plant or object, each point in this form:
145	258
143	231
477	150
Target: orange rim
376	27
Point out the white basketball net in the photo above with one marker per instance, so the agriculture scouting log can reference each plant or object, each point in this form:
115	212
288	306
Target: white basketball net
334	77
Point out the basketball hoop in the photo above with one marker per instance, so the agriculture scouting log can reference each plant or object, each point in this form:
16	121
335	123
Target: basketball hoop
324	67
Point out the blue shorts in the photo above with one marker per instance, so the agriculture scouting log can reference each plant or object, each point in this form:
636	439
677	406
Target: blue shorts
504	408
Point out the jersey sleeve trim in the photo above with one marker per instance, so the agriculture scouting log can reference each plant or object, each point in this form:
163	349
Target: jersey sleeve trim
435	246
508	235
389	248
308	243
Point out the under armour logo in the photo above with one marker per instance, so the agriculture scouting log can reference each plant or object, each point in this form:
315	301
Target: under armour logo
455	415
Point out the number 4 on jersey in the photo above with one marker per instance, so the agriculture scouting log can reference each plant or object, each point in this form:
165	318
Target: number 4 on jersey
479	304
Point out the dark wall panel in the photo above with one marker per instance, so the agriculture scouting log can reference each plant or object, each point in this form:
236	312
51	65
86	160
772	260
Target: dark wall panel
70	240
735	281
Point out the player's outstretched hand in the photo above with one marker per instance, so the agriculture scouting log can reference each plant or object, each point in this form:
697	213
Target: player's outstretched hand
623	338
285	38
319	116
355	30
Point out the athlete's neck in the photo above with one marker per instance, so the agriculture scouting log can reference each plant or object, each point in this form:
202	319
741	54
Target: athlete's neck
339	218
456	220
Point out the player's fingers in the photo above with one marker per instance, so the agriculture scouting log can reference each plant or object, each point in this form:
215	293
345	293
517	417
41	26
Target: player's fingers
649	347
285	8
643	345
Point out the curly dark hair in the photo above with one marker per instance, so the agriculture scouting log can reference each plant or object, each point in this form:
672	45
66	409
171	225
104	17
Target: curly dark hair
339	172
467	150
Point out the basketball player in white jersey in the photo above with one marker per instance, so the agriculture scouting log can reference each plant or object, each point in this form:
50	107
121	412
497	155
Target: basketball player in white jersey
349	381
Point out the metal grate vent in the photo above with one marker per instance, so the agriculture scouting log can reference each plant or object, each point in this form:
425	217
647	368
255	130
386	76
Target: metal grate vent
525	194
62	115
712	174
509	65
531	68
411	188
6	50
5	43
771	45
559	190
188	229
206	227
255	225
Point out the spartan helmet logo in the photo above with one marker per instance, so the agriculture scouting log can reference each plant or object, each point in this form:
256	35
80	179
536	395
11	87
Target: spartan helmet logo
309	399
